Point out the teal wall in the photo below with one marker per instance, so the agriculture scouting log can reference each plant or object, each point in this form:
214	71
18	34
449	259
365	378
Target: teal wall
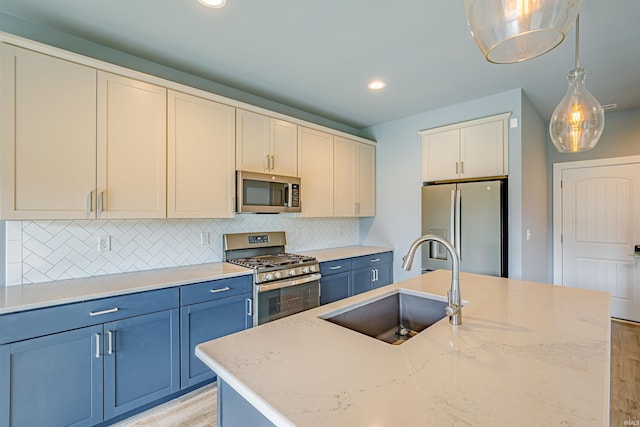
398	221
49	36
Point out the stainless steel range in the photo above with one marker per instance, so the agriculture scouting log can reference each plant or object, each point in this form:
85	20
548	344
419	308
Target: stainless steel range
284	283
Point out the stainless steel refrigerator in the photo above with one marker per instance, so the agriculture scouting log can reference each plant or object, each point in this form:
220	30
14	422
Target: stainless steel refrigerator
472	216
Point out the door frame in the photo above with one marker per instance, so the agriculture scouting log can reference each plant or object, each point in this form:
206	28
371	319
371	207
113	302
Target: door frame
558	169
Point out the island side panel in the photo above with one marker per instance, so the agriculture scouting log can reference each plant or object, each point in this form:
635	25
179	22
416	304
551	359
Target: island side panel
235	411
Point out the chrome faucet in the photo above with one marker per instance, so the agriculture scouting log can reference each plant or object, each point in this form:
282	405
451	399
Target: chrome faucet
454	309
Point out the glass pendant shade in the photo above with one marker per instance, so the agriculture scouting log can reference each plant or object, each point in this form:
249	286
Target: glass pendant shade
578	120
508	31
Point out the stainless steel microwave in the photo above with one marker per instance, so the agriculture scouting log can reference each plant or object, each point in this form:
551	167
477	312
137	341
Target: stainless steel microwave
266	193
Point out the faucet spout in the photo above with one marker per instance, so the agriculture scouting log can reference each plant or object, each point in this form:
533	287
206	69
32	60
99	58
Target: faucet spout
454	309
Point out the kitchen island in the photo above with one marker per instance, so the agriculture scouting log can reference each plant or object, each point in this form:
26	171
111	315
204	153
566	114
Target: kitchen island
526	354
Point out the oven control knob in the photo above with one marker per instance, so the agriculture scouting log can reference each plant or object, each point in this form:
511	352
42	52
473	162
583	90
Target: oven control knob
292	272
313	268
305	270
268	276
277	274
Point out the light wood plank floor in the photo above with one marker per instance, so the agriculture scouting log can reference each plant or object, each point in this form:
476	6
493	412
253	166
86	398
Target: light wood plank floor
625	374
198	409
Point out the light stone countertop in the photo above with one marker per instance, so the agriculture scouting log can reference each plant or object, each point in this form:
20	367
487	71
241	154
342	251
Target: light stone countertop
346	252
45	294
527	354
40	295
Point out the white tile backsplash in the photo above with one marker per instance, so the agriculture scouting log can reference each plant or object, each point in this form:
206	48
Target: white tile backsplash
39	251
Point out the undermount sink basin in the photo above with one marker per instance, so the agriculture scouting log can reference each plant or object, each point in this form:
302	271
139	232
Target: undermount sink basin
392	318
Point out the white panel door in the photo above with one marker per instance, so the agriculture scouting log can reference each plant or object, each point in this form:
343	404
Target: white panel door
252	145
132	148
600	226
201	158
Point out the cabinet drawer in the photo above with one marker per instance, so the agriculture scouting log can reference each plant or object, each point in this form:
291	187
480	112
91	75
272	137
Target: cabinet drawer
33	323
334	267
215	289
372	260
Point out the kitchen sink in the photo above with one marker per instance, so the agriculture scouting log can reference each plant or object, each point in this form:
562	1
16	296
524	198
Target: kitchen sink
393	318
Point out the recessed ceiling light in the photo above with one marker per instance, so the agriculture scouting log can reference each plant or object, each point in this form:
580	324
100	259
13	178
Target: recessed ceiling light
376	84
213	3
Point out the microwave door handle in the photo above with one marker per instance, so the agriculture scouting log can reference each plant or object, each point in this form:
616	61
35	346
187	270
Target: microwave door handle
287	195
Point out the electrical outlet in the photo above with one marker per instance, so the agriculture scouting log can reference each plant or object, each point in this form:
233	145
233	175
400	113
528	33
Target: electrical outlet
104	243
205	238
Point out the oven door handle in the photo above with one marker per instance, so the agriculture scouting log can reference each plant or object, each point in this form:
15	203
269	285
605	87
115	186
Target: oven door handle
288	282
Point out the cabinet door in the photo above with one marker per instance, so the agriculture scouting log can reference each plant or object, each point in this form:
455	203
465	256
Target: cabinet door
344	177
201	158
283	148
335	287
366	180
252	146
141	360
47	137
132	148
204	322
441	156
362	280
316	172
55	380
482	150
382	276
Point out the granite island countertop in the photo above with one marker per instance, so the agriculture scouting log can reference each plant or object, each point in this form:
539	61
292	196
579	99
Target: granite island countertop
527	354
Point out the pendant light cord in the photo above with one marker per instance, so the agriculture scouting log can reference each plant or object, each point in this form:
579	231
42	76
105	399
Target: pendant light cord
577	41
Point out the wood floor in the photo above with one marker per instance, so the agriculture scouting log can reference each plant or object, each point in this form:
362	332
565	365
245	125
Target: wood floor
625	374
198	409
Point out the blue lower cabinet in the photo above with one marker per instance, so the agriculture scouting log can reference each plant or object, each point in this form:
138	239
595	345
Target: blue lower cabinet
335	287
55	380
207	321
141	361
351	276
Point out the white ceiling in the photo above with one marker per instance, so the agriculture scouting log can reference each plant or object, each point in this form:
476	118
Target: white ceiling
318	56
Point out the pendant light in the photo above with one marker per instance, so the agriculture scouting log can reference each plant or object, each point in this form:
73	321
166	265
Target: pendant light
508	31
578	120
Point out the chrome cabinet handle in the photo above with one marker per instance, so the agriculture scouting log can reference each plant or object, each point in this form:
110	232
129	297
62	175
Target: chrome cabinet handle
89	203
266	162
337	267
249	307
98	313
97	346
375	260
461	167
226	288
272	163
109	342
456	168
100	203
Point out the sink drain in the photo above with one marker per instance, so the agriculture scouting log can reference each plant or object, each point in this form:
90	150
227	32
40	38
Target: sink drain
403	333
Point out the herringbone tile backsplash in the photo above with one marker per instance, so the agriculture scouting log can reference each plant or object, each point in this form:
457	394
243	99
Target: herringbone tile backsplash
40	251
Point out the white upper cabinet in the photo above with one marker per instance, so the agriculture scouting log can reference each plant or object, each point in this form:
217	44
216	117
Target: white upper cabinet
201	158
265	144
132	148
474	149
366	180
315	164
47	137
354	178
